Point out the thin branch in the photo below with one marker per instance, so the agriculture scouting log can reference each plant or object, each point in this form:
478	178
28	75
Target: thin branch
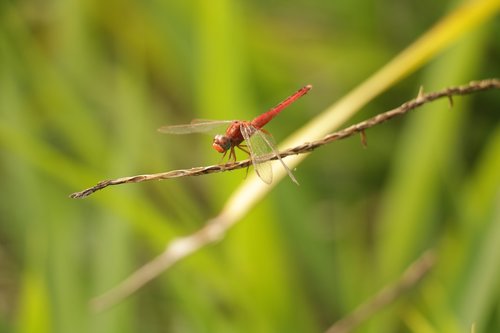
421	99
216	228
409	279
178	249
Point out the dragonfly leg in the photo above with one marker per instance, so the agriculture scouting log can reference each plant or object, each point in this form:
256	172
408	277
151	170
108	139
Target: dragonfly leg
223	157
246	173
243	148
232	155
231	158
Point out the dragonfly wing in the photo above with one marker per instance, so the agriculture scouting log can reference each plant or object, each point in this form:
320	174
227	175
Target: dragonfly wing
266	145
196	126
258	150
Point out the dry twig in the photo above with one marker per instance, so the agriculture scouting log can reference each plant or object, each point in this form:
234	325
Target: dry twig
215	228
421	99
413	274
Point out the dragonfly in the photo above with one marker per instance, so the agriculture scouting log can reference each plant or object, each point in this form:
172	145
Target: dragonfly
259	143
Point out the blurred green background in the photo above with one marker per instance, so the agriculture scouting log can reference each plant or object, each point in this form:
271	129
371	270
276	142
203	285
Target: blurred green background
85	84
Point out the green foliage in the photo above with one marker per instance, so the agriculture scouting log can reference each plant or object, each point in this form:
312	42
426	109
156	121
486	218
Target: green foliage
84	85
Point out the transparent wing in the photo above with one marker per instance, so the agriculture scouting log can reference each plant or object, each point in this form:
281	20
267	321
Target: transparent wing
262	144
196	126
258	149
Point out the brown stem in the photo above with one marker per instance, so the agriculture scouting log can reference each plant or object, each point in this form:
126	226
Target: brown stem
421	99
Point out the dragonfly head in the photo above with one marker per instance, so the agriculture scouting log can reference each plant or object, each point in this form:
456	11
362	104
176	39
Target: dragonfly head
221	143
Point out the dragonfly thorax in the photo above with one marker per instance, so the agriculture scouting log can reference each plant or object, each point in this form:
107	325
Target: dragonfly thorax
221	143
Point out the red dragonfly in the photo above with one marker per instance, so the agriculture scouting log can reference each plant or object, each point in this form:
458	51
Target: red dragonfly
259	143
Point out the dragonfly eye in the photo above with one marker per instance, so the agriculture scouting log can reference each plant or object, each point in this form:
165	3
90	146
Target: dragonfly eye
221	143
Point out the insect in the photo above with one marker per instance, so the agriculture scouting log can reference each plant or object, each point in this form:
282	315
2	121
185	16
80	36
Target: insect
259	143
